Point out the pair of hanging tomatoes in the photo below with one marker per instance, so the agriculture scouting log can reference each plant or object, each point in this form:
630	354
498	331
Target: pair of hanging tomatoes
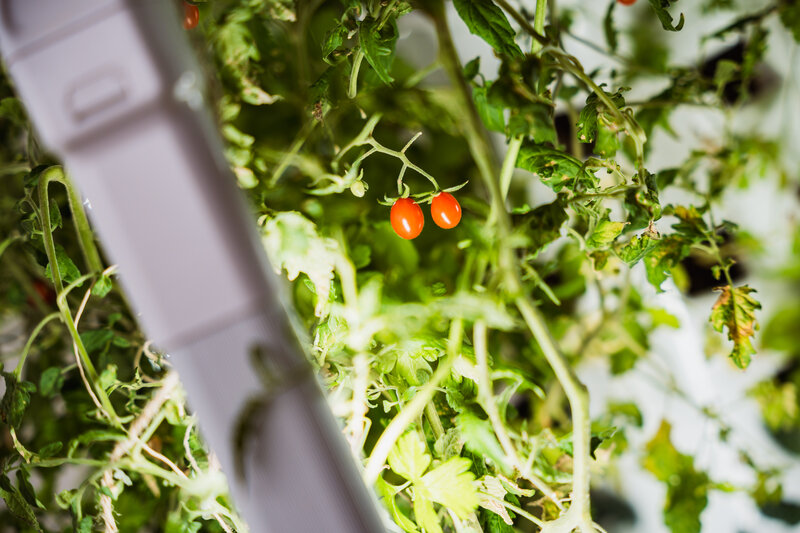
407	219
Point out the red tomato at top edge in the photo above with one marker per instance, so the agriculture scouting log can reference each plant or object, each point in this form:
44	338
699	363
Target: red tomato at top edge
191	16
445	210
407	219
627	2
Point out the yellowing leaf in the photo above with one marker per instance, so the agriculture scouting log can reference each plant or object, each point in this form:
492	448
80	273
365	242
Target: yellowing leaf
492	494
450	484
687	487
735	310
292	242
425	514
409	458
604	234
387	493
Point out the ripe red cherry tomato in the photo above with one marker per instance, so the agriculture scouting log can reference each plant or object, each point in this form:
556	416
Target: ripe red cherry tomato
627	2
407	219
191	16
47	295
445	210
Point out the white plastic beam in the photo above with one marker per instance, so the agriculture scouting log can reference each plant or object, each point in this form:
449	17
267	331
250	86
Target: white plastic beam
113	89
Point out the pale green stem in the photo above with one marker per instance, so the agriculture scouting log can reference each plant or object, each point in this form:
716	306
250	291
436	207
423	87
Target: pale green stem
352	89
82	227
538	24
576	392
578	398
434	420
509	164
514	145
27	348
289	156
378	147
487	401
92	260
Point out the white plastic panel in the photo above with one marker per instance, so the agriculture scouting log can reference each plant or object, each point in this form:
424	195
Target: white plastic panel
32	22
65	113
294	452
160	219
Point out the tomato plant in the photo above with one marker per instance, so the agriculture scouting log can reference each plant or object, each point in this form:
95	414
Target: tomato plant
486	379
407	219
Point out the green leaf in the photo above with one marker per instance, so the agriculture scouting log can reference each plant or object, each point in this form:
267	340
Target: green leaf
555	168
26	489
735	310
687	488
426	515
178	522
387	493
20	508
494	523
660	7
660	317
491	115
85	525
55	215
11	109
642	203
627	410
609	29
487	21
663	257
411	364
605	232
451	484
237	137
378	46
789	13
96	340
333	41
50	382
472	68
66	267
409	458
15	400
292	243
595	112
534	119
725	72
102	286
607	142
108	377
91	437
235	43
691	223
448	445
50	450
544	223
479	438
